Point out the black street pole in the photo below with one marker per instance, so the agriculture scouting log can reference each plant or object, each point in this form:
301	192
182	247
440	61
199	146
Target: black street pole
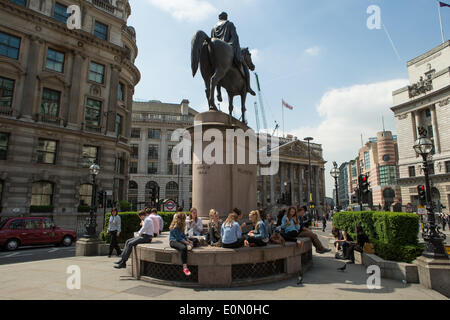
337	194
92	224
434	240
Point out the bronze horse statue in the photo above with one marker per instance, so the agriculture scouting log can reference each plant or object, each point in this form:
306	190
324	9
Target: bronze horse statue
218	69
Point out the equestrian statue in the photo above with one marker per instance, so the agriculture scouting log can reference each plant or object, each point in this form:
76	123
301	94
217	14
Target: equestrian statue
223	63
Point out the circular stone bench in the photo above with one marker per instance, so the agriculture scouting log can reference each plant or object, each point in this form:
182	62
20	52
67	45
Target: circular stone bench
157	262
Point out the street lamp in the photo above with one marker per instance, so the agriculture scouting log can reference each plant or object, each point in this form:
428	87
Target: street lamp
434	239
91	224
335	174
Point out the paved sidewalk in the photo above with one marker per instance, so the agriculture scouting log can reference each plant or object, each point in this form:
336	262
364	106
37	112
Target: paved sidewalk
99	280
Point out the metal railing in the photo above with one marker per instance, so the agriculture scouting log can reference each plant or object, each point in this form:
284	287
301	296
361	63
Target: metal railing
103	4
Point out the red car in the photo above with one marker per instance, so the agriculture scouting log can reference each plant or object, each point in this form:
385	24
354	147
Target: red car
18	232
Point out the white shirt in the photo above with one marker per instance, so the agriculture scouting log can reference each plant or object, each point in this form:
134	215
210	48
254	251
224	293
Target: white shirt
147	227
193	228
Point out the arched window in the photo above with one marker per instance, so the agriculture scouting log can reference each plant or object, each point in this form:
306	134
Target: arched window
42	193
172	191
85	194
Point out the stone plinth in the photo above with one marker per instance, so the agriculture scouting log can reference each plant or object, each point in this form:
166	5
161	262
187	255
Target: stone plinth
434	274
88	247
221	186
157	262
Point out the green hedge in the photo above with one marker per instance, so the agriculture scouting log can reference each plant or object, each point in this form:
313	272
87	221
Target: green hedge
394	234
131	224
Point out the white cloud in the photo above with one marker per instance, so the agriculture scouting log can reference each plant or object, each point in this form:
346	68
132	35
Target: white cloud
189	10
347	113
255	55
313	51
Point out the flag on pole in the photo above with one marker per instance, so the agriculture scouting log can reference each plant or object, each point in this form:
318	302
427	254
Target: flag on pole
287	105
442	4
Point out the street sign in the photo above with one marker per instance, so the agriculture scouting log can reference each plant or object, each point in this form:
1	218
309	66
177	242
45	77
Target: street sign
421	211
109	193
170	206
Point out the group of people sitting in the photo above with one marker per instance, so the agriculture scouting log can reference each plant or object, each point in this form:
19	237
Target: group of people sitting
187	233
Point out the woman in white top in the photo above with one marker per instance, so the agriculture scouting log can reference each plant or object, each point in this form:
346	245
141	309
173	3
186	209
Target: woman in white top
194	225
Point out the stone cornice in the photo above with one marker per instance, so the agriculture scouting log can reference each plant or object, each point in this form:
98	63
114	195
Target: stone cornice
434	97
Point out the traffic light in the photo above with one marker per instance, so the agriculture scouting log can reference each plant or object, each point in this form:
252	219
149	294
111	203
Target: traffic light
355	196
364	187
100	199
422	195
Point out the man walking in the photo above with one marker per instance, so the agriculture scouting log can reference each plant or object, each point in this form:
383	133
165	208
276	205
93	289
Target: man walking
145	235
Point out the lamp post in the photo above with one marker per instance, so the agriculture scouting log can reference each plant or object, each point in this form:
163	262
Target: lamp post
434	239
335	174
91	224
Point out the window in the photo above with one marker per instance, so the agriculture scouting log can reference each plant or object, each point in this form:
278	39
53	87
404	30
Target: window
354	170
60	13
50	105
152	168
153	152
154	134
6	95
9	46
32	224
96	72
118	124
92	116
4	138
136	133
42	193
172	169
22	3
101	30
85	195
388	175
447	166
119	165
367	160
46	152
89	156
412	171
120	92
169	135
16	225
47	223
134	151
55	60
133	167
431	168
169	152
428	113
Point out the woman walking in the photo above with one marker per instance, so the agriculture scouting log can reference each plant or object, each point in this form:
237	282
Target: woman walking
114	229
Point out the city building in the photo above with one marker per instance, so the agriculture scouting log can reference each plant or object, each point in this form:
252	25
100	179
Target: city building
153	176
379	160
425	103
290	185
343	186
65	103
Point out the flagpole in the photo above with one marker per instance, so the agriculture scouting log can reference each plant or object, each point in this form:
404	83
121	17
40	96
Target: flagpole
440	19
282	112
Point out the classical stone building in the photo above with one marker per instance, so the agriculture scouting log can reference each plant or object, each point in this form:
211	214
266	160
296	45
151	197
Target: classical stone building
425	103
65	102
290	185
153	176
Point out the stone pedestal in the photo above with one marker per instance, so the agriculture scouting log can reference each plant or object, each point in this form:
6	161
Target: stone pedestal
221	186
88	247
434	274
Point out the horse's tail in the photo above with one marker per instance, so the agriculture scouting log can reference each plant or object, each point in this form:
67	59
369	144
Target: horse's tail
196	47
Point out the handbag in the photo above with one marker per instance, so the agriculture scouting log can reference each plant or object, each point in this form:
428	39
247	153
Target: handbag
369	248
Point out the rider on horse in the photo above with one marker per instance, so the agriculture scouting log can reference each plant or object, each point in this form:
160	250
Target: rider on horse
226	31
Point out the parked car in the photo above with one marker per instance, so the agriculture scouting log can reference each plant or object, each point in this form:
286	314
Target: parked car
17	232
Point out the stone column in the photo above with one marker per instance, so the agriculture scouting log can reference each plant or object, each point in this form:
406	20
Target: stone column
164	149
316	185
437	142
417	122
291	177
300	184
413	124
112	101
282	166
30	83
74	106
129	120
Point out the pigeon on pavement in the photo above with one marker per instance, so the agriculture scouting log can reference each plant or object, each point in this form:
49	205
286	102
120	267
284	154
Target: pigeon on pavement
343	268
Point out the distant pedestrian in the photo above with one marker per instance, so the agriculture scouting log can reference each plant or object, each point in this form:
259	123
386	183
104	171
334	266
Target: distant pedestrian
114	229
324	223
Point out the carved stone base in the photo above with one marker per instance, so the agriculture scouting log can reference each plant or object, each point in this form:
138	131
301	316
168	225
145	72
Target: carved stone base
87	247
434	274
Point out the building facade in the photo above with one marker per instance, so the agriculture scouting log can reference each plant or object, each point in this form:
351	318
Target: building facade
65	103
290	185
425	103
153	176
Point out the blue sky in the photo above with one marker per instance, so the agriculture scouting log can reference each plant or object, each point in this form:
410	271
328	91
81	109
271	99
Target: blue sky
317	55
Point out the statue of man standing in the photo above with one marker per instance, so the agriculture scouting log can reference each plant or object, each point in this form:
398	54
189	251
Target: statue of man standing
226	31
